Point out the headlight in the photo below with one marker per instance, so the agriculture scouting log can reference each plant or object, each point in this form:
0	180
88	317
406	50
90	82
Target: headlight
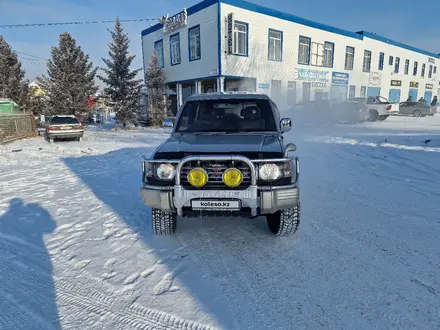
269	172
166	172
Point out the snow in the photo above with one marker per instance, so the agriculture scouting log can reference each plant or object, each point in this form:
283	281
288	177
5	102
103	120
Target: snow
78	251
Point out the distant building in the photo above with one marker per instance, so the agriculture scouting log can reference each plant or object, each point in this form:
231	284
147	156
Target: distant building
231	45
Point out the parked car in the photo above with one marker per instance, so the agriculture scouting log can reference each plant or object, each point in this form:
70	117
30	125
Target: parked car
378	107
416	109
315	112
225	156
64	127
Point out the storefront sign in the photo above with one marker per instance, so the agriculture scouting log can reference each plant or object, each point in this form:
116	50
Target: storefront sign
263	86
175	22
311	75
230	27
375	79
340	78
429	86
413	84
319	84
396	82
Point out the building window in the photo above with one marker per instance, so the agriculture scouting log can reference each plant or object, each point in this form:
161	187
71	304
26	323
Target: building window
275	45
175	49
291	93
423	70
195	51
381	60
352	91
158	49
416	65
304	50
397	65
349	58
390	60
329	51
317	54
367	61
430	71
406	66
435	69
363	91
241	38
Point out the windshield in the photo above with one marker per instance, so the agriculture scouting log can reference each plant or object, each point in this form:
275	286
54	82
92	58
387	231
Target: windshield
63	120
227	116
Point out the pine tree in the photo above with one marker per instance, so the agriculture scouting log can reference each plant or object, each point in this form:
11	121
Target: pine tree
123	89
12	82
158	105
70	79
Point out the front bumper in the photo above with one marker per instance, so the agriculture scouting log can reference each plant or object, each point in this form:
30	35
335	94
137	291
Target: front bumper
259	200
267	201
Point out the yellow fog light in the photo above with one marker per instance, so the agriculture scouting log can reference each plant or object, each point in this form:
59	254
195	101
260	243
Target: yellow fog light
197	177
232	177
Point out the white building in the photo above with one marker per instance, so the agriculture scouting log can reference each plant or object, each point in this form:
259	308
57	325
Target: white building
227	45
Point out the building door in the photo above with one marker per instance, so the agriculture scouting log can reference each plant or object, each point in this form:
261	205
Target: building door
428	97
373	91
306	92
338	92
394	96
363	91
321	95
291	92
275	90
413	93
352	92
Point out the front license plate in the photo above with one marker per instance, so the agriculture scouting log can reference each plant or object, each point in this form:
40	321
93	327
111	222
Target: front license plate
215	205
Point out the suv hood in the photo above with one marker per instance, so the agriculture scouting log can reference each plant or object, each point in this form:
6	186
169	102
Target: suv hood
230	143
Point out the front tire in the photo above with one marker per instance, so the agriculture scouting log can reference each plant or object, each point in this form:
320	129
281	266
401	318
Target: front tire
164	223
284	222
417	113
374	115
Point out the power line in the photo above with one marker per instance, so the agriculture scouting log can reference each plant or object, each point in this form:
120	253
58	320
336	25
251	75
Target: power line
41	58
74	23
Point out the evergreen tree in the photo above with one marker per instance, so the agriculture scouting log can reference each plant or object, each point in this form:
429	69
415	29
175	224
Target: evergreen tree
70	79
158	105
12	82
123	89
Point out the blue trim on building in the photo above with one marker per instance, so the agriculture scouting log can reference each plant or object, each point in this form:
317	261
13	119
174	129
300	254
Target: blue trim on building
171	50
163	56
189	42
220	39
333	54
247	38
299	53
268	45
397	44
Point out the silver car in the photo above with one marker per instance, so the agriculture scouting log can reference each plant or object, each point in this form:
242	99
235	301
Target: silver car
416	109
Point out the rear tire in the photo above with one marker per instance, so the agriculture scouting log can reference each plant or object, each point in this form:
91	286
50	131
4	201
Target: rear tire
417	113
284	222
382	118
374	115
164	223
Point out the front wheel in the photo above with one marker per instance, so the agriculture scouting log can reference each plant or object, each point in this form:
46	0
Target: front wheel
284	222
417	113
374	115
164	223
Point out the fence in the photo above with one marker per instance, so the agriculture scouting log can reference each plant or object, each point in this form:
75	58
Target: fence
16	126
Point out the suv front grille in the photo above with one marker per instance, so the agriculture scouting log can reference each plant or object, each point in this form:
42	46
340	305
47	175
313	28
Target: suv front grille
215	170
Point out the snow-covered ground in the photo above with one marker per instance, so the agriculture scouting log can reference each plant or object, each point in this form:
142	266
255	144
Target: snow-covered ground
77	251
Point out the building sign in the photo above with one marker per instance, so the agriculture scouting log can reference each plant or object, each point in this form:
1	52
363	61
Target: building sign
429	86
413	84
263	86
375	79
230	29
340	78
213	72
319	84
431	60
396	82
311	75
175	22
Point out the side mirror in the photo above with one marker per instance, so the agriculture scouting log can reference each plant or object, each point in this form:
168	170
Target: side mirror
167	123
289	148
285	125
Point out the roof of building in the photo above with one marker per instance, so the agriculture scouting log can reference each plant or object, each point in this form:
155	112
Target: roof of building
296	19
